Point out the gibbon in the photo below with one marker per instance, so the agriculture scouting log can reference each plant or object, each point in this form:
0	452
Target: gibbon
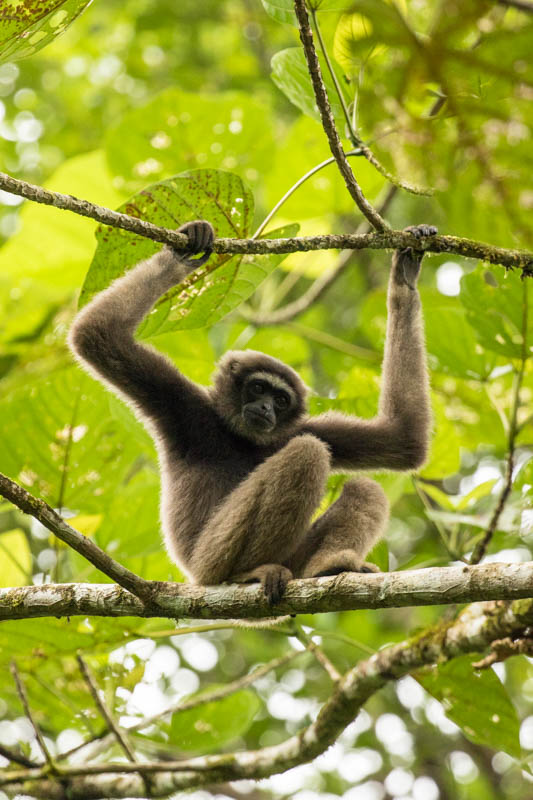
243	466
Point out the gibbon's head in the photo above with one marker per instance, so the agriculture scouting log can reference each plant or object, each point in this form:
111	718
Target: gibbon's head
257	396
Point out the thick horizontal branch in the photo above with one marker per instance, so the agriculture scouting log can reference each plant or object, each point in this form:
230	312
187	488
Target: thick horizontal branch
521	259
474	630
348	591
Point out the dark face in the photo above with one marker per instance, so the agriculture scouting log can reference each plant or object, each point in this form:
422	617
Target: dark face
265	403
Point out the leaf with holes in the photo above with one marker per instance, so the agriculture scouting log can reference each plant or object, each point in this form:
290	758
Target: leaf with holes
222	198
29	25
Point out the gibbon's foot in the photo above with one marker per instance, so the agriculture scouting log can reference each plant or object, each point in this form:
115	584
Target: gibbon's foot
412	258
273	577
366	566
201	236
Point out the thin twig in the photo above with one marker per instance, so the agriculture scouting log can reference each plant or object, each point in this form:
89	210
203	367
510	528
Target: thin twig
521	5
16	757
328	122
481	547
353	133
110	722
108	718
98	743
317	651
21	691
54	523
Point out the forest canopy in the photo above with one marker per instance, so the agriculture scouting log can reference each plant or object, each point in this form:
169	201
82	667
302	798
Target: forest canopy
116	687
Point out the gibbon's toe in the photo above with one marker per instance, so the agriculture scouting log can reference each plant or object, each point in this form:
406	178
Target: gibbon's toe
274	583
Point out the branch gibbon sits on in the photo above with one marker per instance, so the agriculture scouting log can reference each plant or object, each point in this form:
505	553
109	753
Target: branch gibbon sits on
243	467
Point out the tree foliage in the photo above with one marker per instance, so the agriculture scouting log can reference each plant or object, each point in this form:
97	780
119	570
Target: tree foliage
171	112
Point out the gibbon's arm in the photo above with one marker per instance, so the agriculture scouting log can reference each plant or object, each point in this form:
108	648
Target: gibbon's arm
398	437
101	336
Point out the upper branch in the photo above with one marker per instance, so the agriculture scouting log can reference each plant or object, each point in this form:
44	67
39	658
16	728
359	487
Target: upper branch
328	123
384	240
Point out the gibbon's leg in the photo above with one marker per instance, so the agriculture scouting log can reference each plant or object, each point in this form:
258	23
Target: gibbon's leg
262	522
340	539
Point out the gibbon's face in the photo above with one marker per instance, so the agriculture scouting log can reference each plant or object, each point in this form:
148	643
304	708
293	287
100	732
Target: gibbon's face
267	401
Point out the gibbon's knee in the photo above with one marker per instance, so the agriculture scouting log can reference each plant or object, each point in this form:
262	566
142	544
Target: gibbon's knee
306	453
297	477
366	495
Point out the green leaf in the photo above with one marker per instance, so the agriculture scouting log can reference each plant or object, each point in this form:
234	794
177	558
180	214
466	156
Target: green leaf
444	455
29	25
498	306
211	725
63	444
290	74
15	558
217	295
451	341
201	194
478	493
379	555
476	701
178	130
281	10
55	246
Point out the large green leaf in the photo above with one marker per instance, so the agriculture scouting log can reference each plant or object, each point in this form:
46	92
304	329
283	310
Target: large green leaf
177	130
215	195
211	725
219	294
63	444
499	308
27	26
476	701
290	74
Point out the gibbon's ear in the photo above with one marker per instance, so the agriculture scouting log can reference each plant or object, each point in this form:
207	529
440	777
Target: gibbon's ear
234	366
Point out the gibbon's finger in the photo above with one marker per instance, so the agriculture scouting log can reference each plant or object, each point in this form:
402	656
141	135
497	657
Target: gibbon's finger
207	236
421	230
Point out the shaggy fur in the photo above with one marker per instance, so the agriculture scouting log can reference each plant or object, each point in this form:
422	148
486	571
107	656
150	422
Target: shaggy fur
237	503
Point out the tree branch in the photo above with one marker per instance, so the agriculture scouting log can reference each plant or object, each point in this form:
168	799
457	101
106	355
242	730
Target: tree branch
472	632
328	123
320	286
385	240
54	523
345	592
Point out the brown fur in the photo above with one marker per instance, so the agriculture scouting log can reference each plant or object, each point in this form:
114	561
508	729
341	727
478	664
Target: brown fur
237	503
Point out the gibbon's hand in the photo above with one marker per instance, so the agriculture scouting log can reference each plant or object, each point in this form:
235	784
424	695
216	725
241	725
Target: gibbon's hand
201	236
410	259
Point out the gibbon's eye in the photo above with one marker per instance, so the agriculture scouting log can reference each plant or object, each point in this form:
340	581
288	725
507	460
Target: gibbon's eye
281	400
257	387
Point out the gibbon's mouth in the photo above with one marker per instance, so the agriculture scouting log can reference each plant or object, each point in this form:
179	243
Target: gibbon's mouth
259	419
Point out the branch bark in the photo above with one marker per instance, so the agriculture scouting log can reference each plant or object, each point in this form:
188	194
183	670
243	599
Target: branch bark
385	240
345	592
472	632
